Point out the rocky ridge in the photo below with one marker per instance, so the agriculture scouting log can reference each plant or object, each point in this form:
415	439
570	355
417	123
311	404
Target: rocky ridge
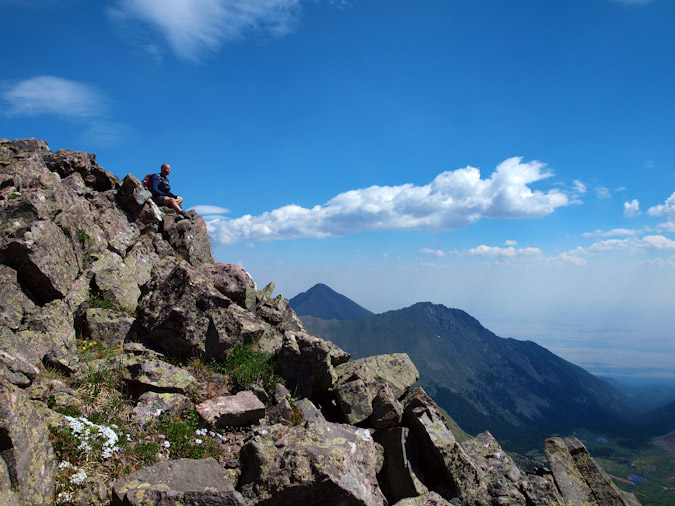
88	260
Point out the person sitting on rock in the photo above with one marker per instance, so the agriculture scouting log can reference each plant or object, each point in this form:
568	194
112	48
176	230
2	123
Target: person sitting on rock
161	190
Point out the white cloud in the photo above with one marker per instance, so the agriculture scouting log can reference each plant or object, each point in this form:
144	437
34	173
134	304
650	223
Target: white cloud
508	252
199	27
579	187
603	193
53	95
206	210
436	252
666	210
510	243
631	244
631	208
611	233
453	200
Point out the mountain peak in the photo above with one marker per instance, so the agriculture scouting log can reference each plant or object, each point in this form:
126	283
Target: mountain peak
321	301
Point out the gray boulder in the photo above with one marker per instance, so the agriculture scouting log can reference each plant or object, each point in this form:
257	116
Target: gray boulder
177	482
579	478
446	461
238	410
358	382
188	237
313	464
115	282
184	314
132	196
308	363
502	476
14	304
27	462
153	404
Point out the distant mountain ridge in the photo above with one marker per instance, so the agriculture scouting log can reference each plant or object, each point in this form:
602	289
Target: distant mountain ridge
482	380
323	302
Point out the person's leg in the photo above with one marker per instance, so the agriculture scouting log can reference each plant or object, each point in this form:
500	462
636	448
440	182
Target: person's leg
174	203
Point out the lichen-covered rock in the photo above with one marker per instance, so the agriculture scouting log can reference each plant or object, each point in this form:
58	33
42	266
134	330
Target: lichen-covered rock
428	499
231	280
238	410
107	326
153	404
447	462
189	237
387	411
115	282
314	464
307	363
50	332
151	374
132	196
358	382
14	304
20	362
581	481
501	474
184	314
65	162
27	462
141	258
399	477
44	259
183	482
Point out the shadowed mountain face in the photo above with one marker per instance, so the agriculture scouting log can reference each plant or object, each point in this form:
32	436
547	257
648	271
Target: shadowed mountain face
516	389
325	303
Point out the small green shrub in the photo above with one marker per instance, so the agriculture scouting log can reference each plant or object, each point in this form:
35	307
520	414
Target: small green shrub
247	366
83	235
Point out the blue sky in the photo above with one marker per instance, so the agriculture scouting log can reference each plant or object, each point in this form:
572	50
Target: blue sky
510	158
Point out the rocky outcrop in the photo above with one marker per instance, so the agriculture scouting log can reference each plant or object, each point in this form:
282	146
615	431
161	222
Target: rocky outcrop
27	462
102	293
183	481
579	478
317	463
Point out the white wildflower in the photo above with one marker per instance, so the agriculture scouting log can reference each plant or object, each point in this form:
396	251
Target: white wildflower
79	477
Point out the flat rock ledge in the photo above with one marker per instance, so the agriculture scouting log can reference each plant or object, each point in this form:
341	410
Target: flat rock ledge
238	410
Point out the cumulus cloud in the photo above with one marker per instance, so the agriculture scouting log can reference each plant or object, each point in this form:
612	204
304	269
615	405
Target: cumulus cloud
666	210
611	233
631	208
630	244
453	200
508	252
436	252
53	95
199	27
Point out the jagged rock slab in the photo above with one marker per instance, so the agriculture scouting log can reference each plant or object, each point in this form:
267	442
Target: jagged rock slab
398	478
315	464
447	460
580	480
180	482
429	499
308	363
27	462
238	410
358	382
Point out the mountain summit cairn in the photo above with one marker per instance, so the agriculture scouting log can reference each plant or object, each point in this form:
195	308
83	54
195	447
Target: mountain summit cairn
123	346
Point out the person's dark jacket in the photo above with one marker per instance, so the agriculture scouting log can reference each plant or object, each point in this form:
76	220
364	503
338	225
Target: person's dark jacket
159	186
